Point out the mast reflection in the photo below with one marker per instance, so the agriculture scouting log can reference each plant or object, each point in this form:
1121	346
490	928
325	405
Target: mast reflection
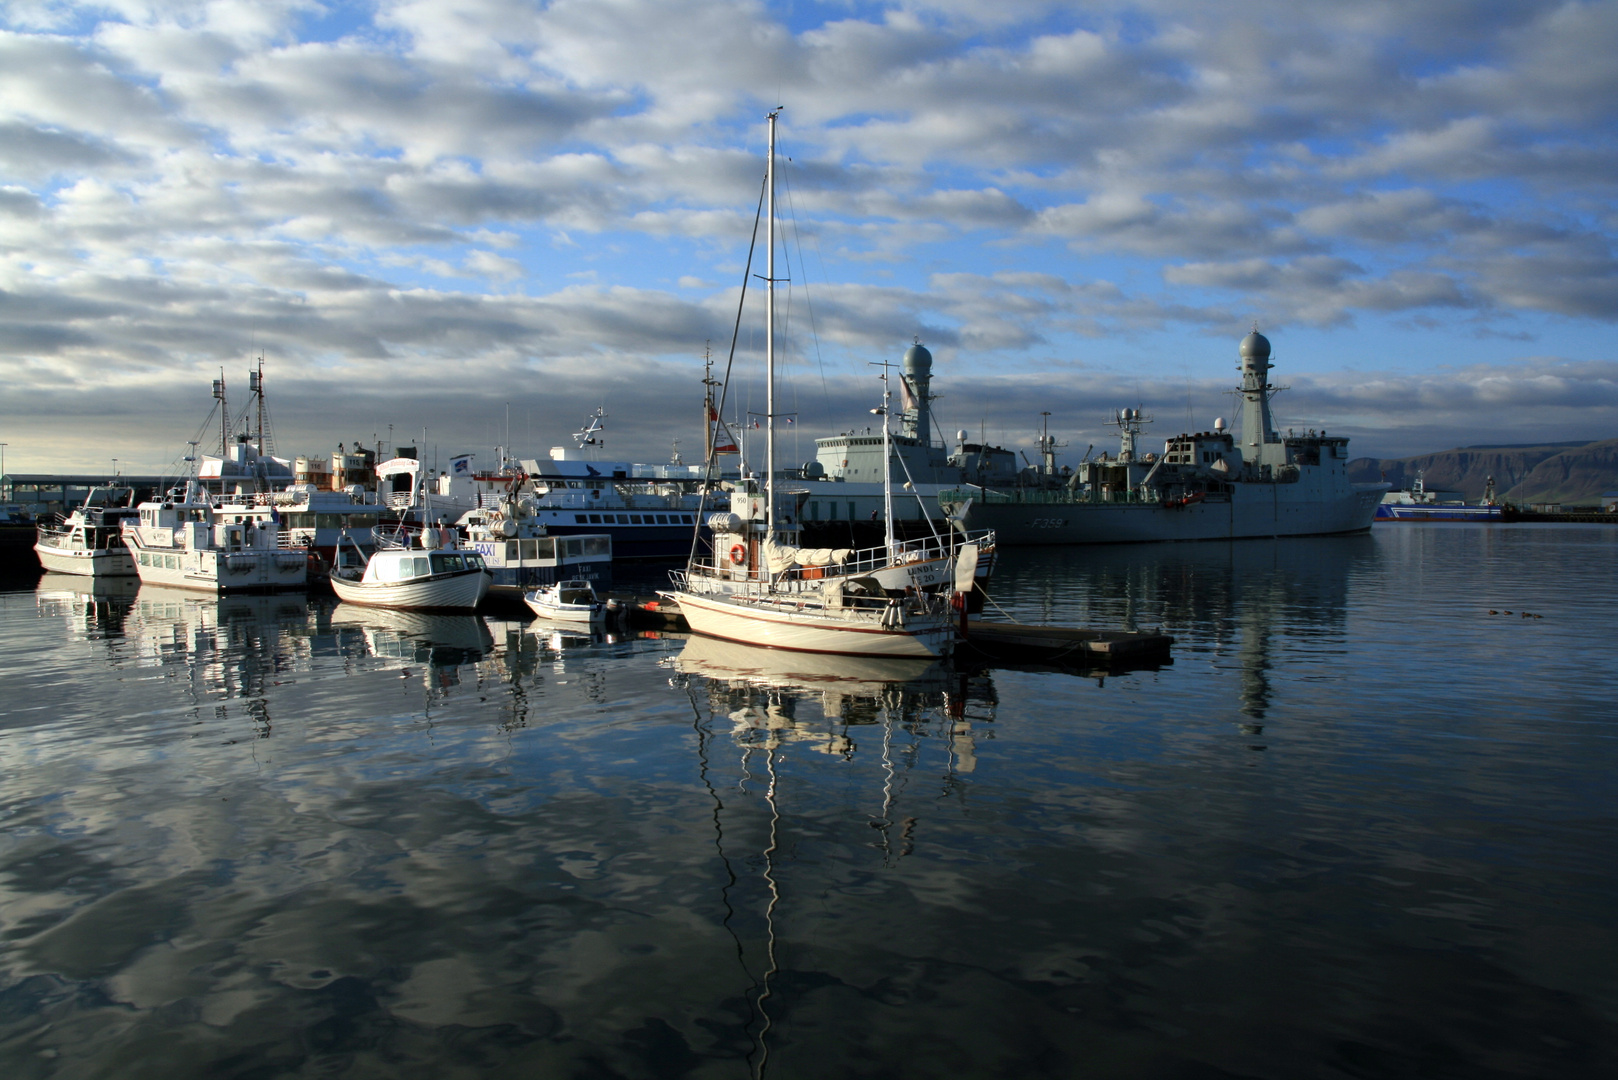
764	705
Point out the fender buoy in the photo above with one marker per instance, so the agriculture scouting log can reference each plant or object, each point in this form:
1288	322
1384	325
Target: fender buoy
738	554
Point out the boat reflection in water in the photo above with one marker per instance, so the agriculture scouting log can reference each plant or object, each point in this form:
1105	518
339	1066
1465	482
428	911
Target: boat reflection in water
917	723
83	587
441	640
95	607
560	636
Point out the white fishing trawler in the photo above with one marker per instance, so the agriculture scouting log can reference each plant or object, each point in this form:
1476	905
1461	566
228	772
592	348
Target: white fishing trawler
1211	485
184	539
90	541
758	585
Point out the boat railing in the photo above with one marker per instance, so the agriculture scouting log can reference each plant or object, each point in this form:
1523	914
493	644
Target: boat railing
859	563
1050	496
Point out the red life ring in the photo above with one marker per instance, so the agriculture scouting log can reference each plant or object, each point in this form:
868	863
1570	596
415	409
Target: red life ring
738	554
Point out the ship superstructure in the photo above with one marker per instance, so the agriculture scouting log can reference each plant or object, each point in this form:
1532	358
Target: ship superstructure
1217	484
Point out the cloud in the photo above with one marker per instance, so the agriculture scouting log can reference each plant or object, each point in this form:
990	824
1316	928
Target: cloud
506	187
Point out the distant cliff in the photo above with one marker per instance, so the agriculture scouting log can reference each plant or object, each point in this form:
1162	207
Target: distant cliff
1576	472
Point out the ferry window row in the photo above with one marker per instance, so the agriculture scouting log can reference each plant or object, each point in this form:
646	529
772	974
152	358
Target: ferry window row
548	548
632	519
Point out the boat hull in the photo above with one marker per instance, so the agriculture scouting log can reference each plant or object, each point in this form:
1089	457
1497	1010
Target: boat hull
1438	512
85	562
804	630
1248	512
221	572
571	613
464	589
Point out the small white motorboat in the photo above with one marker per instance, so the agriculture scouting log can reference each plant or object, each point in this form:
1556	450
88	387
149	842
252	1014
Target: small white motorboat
438	574
567	601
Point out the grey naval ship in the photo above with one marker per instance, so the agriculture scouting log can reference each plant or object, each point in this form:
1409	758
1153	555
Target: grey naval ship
1211	485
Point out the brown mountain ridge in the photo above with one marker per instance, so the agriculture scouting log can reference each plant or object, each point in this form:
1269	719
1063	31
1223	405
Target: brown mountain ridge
1572	473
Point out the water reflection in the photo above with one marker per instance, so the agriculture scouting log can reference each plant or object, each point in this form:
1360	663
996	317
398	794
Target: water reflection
1241	603
441	640
94	607
752	710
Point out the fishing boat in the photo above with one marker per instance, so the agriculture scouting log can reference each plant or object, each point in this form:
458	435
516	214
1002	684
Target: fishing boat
90	541
758	585
186	540
425	568
1422	504
567	601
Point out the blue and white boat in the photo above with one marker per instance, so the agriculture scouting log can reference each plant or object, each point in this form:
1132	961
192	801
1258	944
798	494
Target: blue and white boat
1420	504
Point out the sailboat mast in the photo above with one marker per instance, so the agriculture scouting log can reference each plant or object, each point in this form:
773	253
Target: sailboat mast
769	337
887	461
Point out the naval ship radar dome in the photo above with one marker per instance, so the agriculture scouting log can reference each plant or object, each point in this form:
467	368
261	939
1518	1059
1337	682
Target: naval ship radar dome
918	361
1255	346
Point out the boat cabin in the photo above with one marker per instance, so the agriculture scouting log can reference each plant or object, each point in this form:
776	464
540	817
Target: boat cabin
387	567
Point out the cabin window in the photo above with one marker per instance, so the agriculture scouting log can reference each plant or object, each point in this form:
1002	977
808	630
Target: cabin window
595	519
685	519
623	519
597	545
851	514
443	564
582	519
544	549
634	519
662	519
420	567
170	562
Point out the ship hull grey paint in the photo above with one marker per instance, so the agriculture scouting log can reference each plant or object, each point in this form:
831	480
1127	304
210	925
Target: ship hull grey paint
1268	510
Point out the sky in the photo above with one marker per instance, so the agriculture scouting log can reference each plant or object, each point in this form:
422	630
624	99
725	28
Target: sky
470	224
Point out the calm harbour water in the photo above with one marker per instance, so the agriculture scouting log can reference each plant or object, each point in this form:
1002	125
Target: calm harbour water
1360	827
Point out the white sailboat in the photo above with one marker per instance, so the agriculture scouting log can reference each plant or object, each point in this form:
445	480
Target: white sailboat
759	586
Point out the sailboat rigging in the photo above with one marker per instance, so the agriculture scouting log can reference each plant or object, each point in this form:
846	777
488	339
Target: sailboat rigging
759	585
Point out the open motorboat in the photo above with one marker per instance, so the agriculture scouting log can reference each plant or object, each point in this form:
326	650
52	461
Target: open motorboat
567	601
760	586
89	541
428	569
